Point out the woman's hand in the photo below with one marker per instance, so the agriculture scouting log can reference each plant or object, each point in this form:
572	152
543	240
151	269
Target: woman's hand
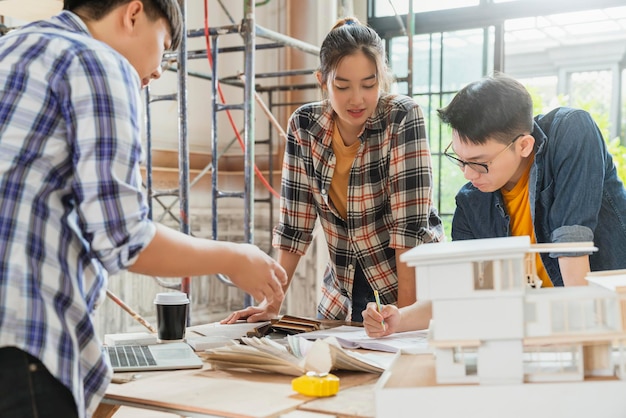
380	324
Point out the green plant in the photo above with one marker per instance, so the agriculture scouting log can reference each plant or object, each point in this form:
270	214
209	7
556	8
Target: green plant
618	151
600	116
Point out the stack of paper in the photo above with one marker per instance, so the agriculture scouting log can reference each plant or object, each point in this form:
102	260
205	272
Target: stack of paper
321	356
412	342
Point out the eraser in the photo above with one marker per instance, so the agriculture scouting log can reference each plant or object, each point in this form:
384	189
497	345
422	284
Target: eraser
130	338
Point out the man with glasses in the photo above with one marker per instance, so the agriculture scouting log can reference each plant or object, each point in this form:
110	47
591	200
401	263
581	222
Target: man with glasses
549	177
482	168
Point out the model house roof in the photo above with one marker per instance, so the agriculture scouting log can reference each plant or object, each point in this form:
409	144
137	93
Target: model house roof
464	251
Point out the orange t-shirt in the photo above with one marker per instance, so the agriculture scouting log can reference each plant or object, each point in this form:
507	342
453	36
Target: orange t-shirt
344	156
518	206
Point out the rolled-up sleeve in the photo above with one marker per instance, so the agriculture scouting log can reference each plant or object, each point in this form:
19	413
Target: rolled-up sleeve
107	152
297	209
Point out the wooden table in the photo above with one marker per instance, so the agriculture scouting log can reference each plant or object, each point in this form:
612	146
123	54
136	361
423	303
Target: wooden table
210	393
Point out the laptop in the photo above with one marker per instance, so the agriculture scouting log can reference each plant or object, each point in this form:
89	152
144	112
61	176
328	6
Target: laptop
170	356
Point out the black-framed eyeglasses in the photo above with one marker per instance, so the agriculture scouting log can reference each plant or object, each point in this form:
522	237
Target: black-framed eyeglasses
482	168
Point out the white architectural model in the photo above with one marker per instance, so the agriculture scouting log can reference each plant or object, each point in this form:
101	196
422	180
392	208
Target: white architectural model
503	339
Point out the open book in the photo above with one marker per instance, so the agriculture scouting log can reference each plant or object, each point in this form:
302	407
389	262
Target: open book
297	358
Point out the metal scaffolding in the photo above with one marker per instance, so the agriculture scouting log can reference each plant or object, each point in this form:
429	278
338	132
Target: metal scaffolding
249	30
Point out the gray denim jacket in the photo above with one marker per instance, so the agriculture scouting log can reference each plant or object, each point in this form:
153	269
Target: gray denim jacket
575	195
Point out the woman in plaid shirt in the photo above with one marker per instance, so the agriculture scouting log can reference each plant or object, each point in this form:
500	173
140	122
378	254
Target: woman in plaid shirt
359	162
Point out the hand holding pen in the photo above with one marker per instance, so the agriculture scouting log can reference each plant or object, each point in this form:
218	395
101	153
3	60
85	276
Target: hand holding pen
380	320
379	308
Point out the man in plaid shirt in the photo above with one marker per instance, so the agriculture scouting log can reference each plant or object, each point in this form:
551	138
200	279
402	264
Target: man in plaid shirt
73	209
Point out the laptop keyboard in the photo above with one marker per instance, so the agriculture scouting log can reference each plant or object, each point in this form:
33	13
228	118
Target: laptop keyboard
130	356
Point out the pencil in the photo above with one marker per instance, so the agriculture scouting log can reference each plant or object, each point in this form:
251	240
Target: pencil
379	307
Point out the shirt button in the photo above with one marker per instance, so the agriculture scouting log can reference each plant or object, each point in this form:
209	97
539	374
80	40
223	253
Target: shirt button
350	267
323	191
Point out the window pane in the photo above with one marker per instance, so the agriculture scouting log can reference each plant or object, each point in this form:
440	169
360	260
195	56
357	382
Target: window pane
386	7
443	63
559	35
623	102
452	180
430	103
427	63
464	58
543	91
591	90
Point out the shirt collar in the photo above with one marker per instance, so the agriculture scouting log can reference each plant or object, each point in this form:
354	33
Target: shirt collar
70	21
540	137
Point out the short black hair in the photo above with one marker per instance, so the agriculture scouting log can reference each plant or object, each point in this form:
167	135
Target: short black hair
155	9
496	107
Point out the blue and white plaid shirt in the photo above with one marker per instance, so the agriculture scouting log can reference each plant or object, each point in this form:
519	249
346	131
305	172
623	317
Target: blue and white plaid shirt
72	209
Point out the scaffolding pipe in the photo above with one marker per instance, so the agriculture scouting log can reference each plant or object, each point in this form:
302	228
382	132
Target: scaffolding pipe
216	194
162	97
183	146
409	34
214	144
222	30
249	121
202	53
268	114
287	40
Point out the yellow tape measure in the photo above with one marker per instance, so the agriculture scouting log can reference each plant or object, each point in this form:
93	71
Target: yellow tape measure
316	384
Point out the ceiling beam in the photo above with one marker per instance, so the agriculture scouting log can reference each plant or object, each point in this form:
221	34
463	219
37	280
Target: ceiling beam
484	15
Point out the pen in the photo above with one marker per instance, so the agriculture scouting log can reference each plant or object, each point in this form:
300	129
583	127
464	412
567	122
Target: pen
379	307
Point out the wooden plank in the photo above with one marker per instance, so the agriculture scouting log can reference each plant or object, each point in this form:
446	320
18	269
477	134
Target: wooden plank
105	411
255	395
224	393
357	401
412	371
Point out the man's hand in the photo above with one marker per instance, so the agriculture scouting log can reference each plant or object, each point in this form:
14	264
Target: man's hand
263	312
258	274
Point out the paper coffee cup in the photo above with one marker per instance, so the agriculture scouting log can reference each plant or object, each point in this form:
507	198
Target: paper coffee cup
172	308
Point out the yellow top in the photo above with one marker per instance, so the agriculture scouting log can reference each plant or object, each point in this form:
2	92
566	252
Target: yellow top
341	177
518	206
